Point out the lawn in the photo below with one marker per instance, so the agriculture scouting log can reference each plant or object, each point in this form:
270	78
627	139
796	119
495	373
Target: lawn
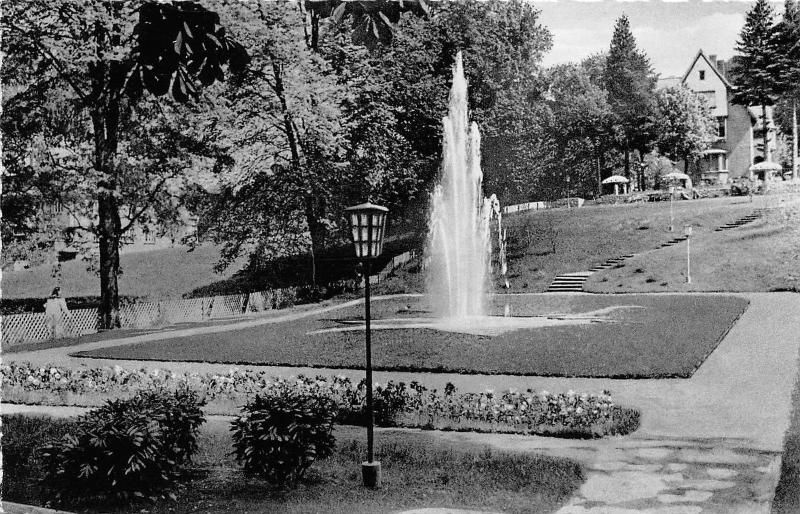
418	471
544	244
584	238
162	273
760	256
652	336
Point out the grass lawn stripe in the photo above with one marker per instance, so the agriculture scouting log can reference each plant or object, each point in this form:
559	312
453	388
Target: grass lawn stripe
669	338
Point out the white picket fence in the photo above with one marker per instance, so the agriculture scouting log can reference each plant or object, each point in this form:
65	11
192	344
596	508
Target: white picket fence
30	327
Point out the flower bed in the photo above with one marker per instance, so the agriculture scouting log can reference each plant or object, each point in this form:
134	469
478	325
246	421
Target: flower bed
396	404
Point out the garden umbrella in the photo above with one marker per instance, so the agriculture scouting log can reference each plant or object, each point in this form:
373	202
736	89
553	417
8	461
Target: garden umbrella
676	176
765	168
616	180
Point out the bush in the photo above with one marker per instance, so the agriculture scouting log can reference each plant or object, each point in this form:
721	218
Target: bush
280	434
127	448
23	438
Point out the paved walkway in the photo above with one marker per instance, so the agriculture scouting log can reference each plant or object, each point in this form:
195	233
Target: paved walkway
710	443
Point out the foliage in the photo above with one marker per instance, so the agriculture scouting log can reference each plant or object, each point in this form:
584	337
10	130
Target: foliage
126	449
684	125
23	438
630	83
758	63
656	166
396	403
582	127
280	434
106	55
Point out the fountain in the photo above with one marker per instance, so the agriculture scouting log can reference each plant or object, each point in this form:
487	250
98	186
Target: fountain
458	242
458	253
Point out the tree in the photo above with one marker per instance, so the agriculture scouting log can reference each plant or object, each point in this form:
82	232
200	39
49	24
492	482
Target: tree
630	83
684	125
582	119
109	54
787	35
756	76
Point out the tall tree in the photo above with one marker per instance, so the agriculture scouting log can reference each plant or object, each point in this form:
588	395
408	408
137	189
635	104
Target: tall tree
757	74
684	125
583	119
108	54
630	83
787	34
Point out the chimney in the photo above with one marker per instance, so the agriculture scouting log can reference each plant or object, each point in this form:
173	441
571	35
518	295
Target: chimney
713	59
722	68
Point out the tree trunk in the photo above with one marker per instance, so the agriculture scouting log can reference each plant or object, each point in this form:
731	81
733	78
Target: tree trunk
794	139
765	136
599	174
765	132
105	119
627	160
313	207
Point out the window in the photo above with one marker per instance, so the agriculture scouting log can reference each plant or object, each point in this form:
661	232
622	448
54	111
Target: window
702	74
721	124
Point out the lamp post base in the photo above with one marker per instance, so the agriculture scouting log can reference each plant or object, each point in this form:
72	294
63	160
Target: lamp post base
371	474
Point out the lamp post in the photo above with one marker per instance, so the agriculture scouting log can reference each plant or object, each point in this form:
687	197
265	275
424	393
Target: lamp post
687	231
367	225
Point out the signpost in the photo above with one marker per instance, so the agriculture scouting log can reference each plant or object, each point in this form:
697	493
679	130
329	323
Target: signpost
671	216
687	231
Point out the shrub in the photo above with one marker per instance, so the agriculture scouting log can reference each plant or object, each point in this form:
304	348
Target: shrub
23	438
280	434
127	448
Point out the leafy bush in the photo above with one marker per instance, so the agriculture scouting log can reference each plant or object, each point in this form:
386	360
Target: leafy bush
23	438
127	448
280	434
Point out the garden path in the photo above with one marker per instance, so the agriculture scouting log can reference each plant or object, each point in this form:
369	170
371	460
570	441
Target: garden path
709	443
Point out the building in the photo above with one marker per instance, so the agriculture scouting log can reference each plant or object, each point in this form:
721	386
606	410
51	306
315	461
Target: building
739	142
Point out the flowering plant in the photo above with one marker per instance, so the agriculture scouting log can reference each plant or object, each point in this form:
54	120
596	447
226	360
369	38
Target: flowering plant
396	403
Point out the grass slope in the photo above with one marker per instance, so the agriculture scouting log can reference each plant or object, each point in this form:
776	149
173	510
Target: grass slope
418	471
544	244
670	337
760	256
168	272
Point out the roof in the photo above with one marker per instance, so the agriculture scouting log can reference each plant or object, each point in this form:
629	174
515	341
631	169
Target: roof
710	64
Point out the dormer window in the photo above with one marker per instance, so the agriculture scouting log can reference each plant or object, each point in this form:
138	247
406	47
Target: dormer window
702	74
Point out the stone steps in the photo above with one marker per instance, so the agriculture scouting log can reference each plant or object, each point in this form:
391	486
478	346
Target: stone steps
744	220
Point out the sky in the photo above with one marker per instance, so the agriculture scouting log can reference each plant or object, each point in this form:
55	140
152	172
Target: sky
670	32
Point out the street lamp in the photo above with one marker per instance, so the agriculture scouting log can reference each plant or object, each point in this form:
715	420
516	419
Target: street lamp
367	225
687	231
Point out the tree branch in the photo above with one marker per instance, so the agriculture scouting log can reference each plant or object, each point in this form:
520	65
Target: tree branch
58	66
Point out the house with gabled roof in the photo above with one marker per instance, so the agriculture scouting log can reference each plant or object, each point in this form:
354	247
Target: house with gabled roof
738	143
